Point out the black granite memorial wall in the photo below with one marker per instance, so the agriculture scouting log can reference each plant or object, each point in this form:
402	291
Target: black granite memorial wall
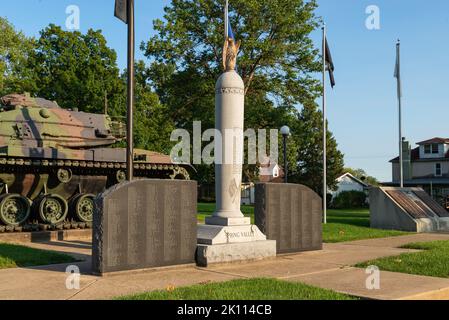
291	214
145	224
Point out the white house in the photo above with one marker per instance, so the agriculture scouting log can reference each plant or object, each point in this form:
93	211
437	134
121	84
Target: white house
426	166
347	182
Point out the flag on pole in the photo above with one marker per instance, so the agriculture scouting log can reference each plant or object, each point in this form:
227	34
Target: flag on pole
330	64
228	28
397	69
121	10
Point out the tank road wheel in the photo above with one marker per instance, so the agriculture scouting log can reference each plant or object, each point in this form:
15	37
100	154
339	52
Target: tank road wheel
180	173
120	176
83	206
52	209
64	175
14	209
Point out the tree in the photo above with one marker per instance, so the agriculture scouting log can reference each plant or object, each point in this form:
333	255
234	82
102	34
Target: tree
77	70
15	50
362	175
277	63
152	128
80	70
309	142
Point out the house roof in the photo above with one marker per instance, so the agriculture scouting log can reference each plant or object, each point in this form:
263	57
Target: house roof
347	174
415	156
434	140
436	181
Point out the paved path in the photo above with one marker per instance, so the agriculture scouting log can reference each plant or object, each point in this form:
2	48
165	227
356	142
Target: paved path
329	268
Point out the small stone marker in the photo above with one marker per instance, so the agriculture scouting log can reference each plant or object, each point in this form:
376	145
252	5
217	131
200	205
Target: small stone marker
291	214
406	209
145	224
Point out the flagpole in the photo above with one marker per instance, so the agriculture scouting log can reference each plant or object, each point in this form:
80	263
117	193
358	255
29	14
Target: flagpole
324	130
226	20
401	160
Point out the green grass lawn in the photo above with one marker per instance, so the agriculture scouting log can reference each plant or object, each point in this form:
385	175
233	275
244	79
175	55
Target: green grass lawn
352	224
13	256
207	209
433	261
252	289
343	225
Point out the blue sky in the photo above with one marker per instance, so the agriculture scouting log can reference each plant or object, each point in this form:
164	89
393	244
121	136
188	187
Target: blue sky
363	106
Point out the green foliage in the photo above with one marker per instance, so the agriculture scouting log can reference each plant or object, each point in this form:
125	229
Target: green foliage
349	199
77	70
277	62
309	150
15	50
276	59
431	262
362	175
152	127
247	289
80	70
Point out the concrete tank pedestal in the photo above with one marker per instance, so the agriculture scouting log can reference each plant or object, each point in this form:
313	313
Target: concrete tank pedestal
228	235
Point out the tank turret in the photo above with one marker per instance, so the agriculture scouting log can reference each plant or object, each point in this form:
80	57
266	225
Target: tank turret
39	123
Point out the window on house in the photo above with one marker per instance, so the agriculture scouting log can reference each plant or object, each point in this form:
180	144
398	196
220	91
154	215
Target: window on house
431	148
435	149
438	171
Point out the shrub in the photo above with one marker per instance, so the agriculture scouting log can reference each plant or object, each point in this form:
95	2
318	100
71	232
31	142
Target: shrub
349	200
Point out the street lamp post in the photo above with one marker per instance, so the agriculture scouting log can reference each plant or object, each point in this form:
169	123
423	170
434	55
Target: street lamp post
285	131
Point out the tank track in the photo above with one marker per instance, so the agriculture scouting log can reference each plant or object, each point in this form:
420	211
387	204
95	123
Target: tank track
36	227
85	164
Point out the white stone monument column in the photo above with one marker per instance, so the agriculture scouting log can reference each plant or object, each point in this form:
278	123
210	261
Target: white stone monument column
228	235
229	121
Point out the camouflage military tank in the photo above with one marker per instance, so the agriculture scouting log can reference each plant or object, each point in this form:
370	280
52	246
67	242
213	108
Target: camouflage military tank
53	162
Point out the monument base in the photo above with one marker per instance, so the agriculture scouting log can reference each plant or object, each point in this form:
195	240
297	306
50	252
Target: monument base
235	252
225	244
219	221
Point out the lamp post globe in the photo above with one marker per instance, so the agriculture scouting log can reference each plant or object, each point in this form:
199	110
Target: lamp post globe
285	131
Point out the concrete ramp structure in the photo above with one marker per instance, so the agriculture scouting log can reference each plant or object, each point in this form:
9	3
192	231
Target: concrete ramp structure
406	209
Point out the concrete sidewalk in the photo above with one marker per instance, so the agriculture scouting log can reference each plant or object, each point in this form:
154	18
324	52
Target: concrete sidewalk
329	268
